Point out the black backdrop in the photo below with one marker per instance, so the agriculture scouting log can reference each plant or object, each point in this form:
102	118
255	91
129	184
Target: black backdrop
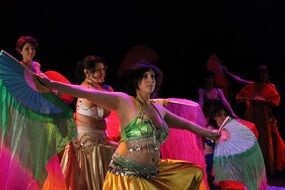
243	34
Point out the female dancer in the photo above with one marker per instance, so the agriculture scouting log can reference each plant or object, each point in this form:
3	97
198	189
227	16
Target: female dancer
136	164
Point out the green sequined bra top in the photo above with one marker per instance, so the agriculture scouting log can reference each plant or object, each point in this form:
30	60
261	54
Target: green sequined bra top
140	135
142	127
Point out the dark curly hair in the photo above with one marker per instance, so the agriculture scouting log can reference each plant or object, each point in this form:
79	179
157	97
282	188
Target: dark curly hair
89	62
216	111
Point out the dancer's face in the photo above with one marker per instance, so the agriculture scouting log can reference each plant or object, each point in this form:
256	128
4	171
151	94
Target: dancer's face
98	75
28	52
220	117
147	83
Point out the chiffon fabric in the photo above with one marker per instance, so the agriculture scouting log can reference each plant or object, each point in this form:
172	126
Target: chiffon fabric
183	144
172	175
29	139
261	114
35	125
85	161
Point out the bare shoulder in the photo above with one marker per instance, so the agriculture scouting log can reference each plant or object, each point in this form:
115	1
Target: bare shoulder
220	92
201	90
162	110
122	95
108	88
127	109
126	102
37	64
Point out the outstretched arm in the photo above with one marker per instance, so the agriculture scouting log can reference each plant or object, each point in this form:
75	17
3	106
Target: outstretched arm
109	100
176	121
227	104
236	78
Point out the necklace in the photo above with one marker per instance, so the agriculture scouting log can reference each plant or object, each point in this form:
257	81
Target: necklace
143	102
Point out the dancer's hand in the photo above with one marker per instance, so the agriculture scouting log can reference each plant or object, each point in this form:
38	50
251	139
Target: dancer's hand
214	135
224	135
43	79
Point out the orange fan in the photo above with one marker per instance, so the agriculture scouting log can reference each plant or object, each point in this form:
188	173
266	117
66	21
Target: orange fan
60	78
214	65
260	92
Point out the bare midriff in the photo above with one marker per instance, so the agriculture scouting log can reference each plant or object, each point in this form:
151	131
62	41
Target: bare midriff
85	121
143	152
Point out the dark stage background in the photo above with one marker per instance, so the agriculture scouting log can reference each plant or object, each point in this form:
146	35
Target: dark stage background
243	34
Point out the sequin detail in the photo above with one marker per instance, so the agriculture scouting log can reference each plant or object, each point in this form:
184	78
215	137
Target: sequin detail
126	167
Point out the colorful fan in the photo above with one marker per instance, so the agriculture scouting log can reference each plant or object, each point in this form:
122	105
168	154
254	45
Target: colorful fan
34	124
249	125
20	82
260	91
237	156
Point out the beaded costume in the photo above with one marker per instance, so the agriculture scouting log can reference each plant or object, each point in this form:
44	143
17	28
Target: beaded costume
142	140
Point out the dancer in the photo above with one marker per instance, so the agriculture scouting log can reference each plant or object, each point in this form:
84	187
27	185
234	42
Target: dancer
35	125
211	97
26	47
260	97
238	161
136	162
85	161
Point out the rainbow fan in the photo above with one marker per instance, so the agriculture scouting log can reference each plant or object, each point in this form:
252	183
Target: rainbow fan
20	82
34	125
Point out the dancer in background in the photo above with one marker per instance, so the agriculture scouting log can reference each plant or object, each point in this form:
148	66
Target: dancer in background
136	162
238	163
35	125
210	97
26	47
260	97
85	161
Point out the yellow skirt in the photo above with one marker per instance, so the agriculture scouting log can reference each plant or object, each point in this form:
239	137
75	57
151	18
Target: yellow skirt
85	163
173	174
